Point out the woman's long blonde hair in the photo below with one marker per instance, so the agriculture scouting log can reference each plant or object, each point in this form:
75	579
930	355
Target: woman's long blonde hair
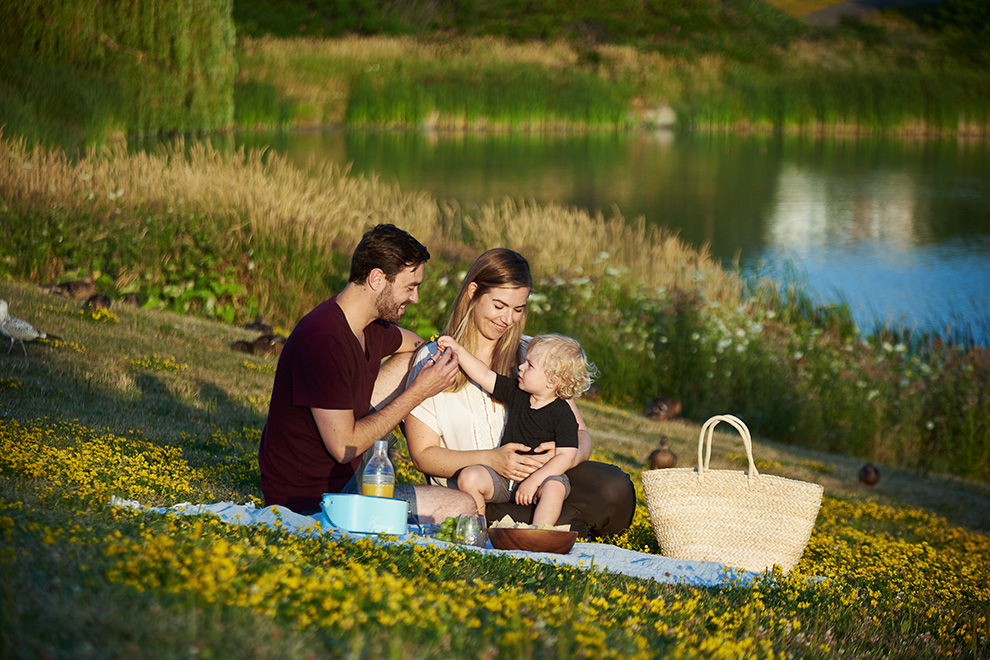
498	268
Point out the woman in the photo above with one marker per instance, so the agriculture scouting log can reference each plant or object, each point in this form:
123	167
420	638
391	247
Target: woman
463	425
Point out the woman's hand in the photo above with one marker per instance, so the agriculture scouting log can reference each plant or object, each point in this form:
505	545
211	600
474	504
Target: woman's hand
512	465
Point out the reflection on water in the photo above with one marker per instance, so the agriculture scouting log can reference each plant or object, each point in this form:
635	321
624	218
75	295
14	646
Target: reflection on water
811	211
899	230
871	241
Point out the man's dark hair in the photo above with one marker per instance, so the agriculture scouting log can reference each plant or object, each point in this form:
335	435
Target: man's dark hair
389	248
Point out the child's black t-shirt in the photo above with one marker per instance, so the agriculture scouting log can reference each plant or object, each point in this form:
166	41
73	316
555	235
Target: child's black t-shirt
554	422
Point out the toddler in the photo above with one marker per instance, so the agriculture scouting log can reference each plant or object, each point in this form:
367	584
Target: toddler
555	369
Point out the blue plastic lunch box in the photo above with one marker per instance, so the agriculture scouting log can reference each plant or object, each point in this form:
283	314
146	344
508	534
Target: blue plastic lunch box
364	514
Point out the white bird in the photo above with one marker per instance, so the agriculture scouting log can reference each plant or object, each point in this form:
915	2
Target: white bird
17	329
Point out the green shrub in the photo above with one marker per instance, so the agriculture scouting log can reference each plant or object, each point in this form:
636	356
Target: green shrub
749	29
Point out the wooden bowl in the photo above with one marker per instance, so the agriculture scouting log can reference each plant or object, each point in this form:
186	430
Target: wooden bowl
532	540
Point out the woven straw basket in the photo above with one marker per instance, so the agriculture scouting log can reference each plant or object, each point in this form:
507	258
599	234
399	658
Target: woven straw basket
745	520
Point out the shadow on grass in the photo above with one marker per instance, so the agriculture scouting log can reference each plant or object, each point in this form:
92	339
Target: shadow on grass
220	435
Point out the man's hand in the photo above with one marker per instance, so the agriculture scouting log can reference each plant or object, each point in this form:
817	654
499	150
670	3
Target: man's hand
437	374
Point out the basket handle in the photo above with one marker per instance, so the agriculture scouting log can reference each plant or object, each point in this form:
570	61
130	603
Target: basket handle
705	442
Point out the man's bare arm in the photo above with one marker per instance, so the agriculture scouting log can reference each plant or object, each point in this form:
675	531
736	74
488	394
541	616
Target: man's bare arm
391	379
346	438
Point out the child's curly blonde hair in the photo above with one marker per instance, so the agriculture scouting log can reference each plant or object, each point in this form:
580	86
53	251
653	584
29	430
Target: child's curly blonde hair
565	361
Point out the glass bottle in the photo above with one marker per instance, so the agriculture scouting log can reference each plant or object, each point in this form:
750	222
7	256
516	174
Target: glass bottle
379	476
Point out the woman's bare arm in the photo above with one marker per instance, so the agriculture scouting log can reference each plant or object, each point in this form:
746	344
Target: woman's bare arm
430	457
562	461
584	436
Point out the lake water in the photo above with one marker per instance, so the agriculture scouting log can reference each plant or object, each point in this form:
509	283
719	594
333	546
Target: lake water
899	230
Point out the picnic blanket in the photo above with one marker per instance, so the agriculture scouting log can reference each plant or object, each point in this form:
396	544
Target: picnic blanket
599	556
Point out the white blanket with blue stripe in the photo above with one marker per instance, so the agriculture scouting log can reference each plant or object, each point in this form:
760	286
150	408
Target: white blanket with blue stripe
599	556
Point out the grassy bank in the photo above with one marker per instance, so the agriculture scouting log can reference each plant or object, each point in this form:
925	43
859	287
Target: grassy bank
153	406
741	65
227	236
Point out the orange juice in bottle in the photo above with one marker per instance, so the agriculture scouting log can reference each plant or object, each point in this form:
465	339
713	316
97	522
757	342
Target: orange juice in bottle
379	476
378	490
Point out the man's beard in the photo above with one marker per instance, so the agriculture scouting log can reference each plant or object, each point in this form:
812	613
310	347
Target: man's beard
388	310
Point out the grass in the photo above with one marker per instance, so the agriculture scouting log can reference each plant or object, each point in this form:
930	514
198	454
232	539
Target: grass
199	231
908	71
153	406
742	26
401	82
201	212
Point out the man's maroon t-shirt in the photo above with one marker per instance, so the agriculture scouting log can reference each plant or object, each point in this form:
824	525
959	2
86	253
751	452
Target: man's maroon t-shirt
321	366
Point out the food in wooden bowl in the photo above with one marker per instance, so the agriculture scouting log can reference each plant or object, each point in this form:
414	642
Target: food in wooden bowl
532	540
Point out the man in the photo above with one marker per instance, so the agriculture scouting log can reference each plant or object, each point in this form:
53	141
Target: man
319	420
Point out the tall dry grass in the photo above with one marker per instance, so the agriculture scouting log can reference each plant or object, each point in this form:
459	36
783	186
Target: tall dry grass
571	240
365	50
325	207
317	74
802	7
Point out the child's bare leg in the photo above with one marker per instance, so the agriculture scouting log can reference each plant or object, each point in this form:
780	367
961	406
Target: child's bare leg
551	496
476	482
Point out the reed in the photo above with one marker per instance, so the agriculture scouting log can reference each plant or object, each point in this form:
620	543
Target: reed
509	96
861	101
